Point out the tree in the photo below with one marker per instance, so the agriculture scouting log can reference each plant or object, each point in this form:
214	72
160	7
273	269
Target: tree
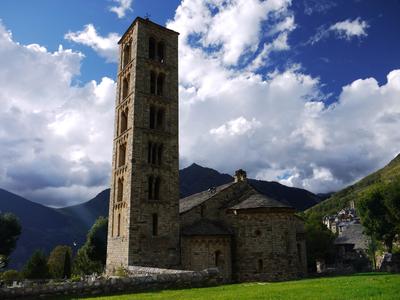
376	216
319	240
96	241
83	265
59	262
36	266
91	257
392	202
10	230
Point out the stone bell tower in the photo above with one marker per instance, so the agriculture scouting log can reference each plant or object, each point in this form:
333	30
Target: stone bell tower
143	221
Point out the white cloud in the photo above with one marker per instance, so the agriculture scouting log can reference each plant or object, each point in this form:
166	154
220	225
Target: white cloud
236	127
52	132
348	29
122	7
106	47
344	30
274	124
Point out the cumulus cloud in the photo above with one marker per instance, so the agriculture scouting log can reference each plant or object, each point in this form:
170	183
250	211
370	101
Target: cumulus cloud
122	7
106	47
51	131
276	124
348	29
344	30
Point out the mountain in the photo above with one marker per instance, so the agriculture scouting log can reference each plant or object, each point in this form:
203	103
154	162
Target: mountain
87	213
45	227
342	198
195	179
298	198
42	227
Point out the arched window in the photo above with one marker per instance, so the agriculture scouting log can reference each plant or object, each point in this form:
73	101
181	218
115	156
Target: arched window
260	266
217	257
155	224
119	225
124	121
122	155
120	190
127	55
154	154
153	83
149	152
152	124
160	119
157	186
159	154
160	84
152	48
125	87
150	187
160	52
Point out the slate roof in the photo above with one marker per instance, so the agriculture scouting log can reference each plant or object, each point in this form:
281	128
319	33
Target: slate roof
187	203
353	235
205	227
259	201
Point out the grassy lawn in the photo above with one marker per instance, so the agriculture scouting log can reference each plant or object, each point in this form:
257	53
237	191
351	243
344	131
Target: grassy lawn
360	286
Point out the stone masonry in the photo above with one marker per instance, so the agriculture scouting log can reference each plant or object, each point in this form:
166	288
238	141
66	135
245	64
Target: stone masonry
144	215
244	233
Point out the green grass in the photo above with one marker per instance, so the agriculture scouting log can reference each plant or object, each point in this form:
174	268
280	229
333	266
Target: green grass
360	286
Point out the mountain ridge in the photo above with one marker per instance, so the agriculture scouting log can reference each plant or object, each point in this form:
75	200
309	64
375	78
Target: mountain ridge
69	225
342	198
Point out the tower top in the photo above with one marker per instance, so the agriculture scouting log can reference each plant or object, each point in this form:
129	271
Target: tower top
148	22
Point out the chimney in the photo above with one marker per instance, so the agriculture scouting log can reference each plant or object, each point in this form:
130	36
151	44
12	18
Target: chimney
240	175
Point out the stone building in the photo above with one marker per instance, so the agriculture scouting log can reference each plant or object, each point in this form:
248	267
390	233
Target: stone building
247	235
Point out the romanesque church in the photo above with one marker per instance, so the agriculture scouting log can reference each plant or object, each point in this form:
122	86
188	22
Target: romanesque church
244	233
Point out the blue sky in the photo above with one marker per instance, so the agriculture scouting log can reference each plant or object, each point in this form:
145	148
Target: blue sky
302	92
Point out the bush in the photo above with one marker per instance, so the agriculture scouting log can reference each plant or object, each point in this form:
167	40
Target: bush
10	276
36	267
59	262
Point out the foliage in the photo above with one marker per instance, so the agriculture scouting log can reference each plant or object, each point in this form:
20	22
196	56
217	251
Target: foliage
121	272
376	216
83	265
10	276
96	241
362	286
319	241
36	267
59	262
91	257
10	230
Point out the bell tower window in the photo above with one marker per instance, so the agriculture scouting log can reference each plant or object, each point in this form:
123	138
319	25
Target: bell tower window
124	121
160	84
125	87
160	52
120	190
153	83
126	55
122	155
152	48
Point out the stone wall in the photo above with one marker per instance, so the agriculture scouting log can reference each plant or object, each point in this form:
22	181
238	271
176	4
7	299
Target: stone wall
146	279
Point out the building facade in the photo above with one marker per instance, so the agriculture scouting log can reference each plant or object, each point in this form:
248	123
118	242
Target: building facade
144	208
244	233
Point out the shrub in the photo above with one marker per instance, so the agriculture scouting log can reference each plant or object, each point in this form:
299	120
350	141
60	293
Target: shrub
10	276
36	267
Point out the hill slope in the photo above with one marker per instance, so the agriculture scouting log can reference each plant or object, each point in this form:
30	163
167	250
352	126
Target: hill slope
342	198
87	213
45	227
42	227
